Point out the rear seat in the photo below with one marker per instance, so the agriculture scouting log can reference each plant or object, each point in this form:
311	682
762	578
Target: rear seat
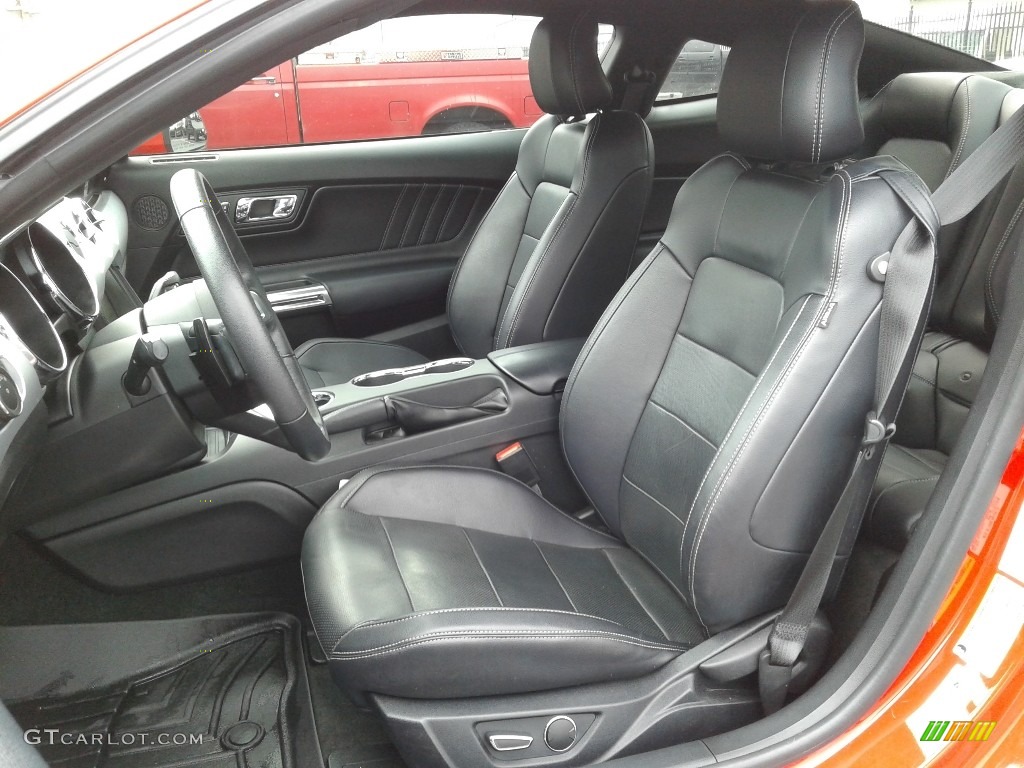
932	122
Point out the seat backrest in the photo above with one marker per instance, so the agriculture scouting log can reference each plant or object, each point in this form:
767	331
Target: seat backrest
932	122
556	244
714	413
969	300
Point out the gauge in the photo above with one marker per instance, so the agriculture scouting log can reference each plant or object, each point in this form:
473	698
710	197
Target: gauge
25	324
57	260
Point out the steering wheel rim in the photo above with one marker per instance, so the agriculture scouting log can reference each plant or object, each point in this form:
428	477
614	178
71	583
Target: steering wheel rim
259	340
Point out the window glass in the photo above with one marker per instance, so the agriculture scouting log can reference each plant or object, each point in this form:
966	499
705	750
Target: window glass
410	76
986	29
697	71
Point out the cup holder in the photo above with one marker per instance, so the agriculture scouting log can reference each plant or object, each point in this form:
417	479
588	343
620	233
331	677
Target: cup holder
322	399
395	375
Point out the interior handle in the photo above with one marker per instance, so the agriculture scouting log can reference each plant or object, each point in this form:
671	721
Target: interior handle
249	209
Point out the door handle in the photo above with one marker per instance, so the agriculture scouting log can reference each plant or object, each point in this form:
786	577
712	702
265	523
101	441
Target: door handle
250	209
291	298
268	79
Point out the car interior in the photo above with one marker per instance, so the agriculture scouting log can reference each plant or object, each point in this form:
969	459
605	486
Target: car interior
494	448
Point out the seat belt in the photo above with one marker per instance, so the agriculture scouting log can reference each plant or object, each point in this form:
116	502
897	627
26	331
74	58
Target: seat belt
906	299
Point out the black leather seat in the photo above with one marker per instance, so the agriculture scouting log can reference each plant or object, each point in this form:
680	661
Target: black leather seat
932	122
710	419
557	242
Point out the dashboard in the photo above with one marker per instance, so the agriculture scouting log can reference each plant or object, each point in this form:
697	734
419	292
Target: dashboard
53	284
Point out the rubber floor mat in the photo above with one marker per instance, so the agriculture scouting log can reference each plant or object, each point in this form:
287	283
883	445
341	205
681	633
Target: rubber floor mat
238	698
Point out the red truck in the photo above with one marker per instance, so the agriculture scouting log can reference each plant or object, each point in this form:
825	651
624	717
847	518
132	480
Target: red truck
411	95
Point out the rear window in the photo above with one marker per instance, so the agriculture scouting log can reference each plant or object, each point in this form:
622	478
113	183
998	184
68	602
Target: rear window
696	72
993	31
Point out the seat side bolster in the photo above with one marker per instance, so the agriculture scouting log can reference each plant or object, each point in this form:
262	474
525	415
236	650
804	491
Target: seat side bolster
584	254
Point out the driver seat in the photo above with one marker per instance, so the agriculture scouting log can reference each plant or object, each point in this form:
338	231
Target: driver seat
557	243
710	419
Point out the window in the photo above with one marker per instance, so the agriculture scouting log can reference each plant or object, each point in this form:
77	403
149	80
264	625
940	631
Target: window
697	71
985	29
408	76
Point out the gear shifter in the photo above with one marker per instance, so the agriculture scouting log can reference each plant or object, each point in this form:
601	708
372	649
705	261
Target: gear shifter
150	351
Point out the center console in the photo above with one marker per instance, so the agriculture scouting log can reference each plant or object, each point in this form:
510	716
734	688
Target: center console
248	501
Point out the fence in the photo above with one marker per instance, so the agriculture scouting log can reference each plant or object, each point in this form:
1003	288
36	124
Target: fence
993	33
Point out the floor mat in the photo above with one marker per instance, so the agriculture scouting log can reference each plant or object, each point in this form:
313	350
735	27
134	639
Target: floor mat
216	691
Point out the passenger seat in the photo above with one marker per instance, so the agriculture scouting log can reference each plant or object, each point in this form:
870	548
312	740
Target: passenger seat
557	243
932	122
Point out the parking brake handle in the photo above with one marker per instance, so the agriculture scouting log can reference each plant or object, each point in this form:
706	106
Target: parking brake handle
415	417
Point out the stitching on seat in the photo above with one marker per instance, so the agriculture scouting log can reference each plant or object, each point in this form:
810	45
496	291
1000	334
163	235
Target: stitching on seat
874	506
989	290
394	212
401	576
746	402
373	472
537	264
558	580
472	242
511	634
572	60
649	496
635	594
681	420
837	268
482	568
376	624
911	455
917	375
740	449
732	428
830	36
966	83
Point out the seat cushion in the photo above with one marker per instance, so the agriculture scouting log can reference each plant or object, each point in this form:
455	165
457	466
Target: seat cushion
904	484
326	362
432	582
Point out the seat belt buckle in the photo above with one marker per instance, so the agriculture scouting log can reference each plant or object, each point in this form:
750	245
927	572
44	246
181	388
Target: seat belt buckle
876	433
773	682
515	462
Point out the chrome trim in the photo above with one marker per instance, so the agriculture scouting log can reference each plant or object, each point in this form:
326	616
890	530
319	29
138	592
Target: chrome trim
284	207
411	371
8	332
77	313
575	732
183	158
516	741
294	299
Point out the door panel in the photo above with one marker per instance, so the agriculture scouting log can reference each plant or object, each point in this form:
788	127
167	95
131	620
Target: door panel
380	224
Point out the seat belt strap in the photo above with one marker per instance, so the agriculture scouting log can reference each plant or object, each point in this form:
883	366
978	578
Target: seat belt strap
906	301
638	85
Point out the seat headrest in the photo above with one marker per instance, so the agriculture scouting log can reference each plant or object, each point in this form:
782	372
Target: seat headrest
565	70
921	105
789	91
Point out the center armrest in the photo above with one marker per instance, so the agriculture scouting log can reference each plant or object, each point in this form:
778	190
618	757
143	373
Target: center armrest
541	368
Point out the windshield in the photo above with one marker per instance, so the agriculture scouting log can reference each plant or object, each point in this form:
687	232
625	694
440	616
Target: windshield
986	29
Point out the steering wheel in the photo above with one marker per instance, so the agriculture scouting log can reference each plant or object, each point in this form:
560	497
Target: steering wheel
258	339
